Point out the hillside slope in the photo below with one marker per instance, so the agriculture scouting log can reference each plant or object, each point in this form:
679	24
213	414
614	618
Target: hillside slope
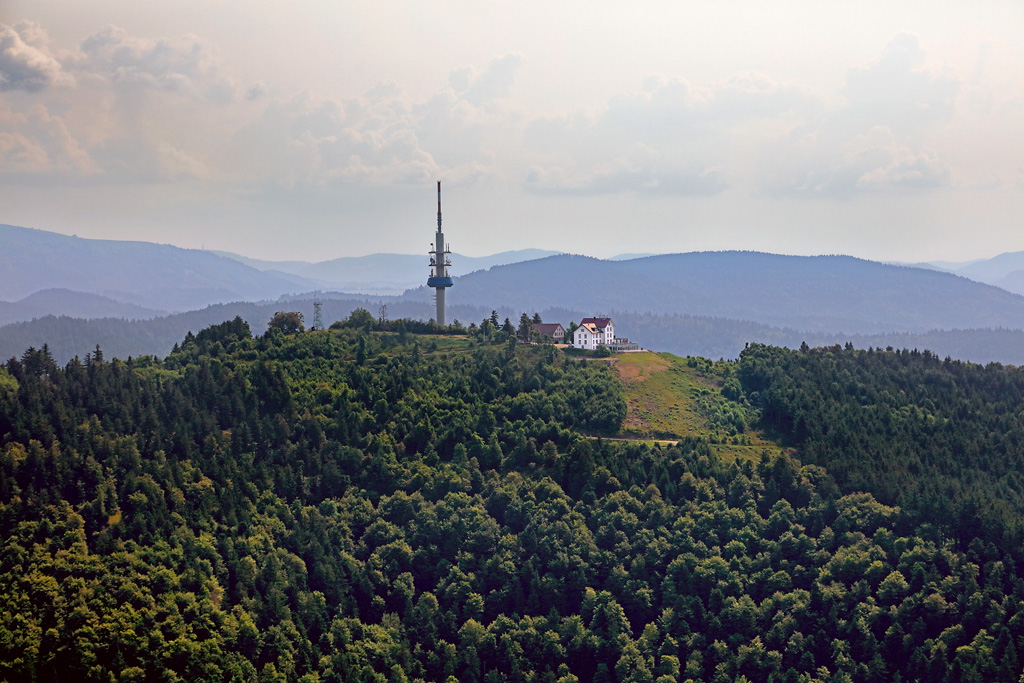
668	398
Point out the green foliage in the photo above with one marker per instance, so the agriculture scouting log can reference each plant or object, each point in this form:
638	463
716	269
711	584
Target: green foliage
360	318
940	438
343	506
8	385
286	322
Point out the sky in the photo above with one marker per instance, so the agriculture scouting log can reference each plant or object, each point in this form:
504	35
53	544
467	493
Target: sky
318	129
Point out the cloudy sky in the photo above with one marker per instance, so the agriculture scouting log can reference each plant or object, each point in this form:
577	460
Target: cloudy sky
309	130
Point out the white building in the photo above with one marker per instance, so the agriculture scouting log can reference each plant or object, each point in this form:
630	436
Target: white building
594	332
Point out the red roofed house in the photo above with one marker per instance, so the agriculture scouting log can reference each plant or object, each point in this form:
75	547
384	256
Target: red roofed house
594	332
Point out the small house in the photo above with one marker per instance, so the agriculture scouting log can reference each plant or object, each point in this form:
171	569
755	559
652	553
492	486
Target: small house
550	331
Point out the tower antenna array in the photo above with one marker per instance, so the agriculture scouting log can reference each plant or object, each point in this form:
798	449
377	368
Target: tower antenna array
439	263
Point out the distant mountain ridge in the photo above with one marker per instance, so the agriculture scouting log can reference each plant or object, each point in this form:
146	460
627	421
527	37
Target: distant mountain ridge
85	292
1005	270
156	276
382	273
810	293
71	303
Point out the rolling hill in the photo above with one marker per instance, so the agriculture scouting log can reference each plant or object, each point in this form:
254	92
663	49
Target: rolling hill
156	276
381	273
71	303
813	294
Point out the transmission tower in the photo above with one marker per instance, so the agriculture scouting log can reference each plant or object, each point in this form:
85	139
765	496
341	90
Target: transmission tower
318	320
439	263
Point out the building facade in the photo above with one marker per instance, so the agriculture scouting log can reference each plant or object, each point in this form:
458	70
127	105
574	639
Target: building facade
594	332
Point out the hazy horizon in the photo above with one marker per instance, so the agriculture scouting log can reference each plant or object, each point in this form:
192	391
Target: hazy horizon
890	132
553	252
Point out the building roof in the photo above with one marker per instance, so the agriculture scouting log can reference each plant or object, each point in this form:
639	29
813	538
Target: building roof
589	327
599	323
548	328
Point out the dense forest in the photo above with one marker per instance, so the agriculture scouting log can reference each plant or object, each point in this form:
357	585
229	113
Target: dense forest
356	505
940	438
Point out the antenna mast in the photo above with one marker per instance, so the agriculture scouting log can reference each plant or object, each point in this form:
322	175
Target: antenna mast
439	262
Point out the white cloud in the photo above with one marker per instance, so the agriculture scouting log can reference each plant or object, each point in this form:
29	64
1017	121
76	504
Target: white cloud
166	109
896	91
876	140
36	143
184	64
874	161
671	138
461	133
25	60
495	82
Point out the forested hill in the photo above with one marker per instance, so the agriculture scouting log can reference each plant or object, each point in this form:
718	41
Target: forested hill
711	337
940	438
812	294
353	505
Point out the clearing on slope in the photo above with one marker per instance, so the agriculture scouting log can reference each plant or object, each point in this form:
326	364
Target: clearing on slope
668	397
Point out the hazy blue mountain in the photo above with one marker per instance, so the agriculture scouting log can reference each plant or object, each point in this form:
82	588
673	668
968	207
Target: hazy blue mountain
629	257
708	303
1005	270
382	273
820	293
1012	282
993	269
927	265
67	302
155	276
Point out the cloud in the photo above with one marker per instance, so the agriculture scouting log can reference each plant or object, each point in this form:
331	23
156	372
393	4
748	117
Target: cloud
670	138
872	162
165	109
906	170
129	108
495	82
184	64
461	133
875	141
35	143
256	91
895	91
316	142
619	176
25	61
